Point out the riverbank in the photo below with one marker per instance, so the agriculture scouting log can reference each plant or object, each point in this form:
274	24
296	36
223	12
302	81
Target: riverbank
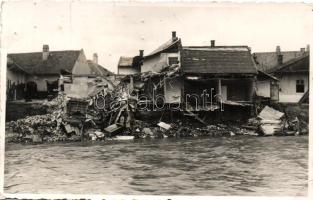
59	125
45	129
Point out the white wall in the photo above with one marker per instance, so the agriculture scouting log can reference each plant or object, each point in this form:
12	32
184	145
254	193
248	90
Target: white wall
127	70
263	88
287	87
81	66
41	81
172	90
157	62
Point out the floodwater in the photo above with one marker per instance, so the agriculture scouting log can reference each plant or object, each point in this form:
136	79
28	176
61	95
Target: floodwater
240	165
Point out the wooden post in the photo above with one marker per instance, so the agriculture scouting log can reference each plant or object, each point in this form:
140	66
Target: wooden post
252	89
219	90
219	86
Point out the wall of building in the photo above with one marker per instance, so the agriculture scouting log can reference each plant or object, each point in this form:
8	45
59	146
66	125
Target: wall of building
172	90
15	77
287	85
78	89
41	81
157	62
81	66
127	70
263	88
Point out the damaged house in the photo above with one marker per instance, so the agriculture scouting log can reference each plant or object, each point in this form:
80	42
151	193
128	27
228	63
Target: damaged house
198	79
38	74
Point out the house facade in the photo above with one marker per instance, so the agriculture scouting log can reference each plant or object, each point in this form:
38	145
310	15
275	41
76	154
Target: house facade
227	72
165	55
291	68
38	73
293	79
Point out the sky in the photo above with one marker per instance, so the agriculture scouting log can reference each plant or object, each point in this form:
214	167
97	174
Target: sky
121	29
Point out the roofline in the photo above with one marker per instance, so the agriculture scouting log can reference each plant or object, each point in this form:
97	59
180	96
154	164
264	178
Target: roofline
266	74
41	52
232	46
280	52
286	64
216	49
158	52
18	66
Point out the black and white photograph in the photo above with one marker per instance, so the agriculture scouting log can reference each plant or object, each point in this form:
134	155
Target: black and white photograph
155	98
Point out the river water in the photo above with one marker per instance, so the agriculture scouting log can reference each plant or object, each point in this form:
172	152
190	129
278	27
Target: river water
240	165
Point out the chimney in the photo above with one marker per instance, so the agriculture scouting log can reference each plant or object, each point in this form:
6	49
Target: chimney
302	50
308	48
174	35
95	58
278	50
141	53
212	43
45	52
280	59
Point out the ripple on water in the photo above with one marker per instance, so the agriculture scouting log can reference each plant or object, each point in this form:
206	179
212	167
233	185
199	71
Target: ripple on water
206	166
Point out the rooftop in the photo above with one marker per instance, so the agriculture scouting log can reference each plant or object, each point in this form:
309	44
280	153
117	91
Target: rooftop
33	63
217	60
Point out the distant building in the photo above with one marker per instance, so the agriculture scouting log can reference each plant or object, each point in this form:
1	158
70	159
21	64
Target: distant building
130	65
290	67
267	60
293	78
37	74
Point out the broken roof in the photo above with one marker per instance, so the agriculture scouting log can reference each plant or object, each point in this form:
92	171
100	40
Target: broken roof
265	76
33	63
217	60
167	45
296	65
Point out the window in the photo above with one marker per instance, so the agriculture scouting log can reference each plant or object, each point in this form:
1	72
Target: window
300	86
172	60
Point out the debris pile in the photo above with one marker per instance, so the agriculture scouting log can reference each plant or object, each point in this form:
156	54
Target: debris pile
180	130
38	128
103	113
273	122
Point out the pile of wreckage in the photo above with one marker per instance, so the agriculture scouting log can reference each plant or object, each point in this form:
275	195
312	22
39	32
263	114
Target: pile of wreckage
105	113
273	122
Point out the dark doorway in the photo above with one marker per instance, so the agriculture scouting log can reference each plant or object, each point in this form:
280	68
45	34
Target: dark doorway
31	90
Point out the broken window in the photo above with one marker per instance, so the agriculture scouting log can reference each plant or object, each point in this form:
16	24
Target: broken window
300	86
172	60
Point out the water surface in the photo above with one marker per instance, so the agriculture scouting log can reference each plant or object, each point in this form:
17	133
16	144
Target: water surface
200	166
